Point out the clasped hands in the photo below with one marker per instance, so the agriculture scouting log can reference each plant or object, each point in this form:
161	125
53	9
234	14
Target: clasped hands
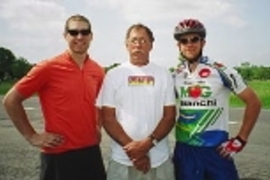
137	151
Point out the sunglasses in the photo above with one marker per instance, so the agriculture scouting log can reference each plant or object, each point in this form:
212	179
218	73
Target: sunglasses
191	40
75	32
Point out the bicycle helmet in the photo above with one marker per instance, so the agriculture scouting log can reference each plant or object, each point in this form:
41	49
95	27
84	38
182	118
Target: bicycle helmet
189	26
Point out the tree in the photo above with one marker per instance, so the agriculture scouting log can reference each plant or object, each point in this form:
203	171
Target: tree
253	72
111	66
7	58
265	72
19	68
246	72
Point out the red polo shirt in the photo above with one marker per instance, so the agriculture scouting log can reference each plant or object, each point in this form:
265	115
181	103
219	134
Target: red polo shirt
67	95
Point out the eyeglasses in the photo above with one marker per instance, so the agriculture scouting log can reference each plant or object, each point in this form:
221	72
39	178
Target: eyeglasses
191	40
137	41
75	32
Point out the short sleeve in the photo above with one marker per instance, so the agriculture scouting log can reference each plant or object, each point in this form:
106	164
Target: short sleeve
34	80
170	93
237	83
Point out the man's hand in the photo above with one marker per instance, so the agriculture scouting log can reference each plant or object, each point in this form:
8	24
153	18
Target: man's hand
143	164
137	152
138	149
231	147
46	140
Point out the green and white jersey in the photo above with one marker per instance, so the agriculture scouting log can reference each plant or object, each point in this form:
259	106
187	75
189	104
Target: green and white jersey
203	102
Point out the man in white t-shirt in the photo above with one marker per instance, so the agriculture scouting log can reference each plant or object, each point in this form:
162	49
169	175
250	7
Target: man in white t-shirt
138	111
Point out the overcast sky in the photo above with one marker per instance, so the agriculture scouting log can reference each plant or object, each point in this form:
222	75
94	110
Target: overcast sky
237	30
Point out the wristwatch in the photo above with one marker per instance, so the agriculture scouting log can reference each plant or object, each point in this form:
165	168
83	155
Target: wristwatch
153	139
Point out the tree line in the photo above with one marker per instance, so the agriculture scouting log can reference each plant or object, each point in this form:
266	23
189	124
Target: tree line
13	68
252	72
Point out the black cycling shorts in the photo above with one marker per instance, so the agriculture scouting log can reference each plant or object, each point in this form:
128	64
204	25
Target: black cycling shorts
80	164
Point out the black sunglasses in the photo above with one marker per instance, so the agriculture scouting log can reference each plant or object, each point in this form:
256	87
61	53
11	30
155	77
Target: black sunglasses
75	32
191	40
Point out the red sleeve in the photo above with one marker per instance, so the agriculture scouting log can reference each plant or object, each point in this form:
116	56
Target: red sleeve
35	79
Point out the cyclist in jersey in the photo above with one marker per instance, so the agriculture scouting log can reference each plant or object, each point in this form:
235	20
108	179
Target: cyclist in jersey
203	147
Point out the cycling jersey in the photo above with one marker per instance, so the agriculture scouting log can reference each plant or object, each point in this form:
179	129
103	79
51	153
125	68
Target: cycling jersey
203	97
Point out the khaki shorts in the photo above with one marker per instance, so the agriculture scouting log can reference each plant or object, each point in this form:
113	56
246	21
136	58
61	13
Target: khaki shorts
117	171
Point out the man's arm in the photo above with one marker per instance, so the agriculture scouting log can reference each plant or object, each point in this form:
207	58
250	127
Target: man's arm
14	107
112	126
166	123
117	133
137	149
99	122
251	113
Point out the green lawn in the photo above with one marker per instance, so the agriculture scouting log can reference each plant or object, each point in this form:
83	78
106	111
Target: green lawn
5	86
260	87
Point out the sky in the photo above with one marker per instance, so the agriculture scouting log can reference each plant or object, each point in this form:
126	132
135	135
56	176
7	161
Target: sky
237	30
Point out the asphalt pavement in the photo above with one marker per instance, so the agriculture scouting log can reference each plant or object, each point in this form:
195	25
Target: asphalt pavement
20	161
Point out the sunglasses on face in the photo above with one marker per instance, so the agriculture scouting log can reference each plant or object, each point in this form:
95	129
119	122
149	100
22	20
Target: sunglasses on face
75	32
191	40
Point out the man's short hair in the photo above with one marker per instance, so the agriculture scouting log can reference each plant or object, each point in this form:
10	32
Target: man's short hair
141	26
77	17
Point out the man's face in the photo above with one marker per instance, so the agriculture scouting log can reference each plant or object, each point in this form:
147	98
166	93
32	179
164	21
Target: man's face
139	45
78	37
190	45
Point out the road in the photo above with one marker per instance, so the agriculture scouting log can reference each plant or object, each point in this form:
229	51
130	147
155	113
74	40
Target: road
20	161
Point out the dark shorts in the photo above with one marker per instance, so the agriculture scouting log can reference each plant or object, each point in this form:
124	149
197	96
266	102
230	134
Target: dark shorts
80	164
202	163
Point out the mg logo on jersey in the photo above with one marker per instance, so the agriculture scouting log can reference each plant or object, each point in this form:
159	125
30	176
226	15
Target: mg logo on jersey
196	91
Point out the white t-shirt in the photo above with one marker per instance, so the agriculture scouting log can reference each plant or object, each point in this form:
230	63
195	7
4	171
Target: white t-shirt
139	95
204	102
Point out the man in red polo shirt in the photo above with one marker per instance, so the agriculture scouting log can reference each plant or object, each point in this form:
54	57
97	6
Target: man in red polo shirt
67	86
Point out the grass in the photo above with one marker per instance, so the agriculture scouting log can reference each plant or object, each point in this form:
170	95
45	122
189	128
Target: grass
260	87
5	86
